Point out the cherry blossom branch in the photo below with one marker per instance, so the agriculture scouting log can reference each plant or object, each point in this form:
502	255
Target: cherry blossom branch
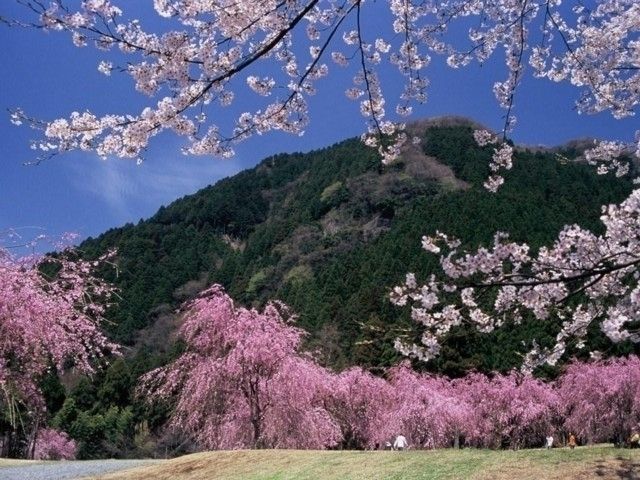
373	105
249	32
516	74
599	272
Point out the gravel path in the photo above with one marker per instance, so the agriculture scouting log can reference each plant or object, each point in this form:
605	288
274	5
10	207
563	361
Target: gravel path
68	470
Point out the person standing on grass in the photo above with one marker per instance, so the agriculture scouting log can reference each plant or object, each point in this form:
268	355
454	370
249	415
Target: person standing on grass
400	443
572	441
549	442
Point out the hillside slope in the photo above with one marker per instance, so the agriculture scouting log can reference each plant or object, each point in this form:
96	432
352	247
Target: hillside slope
583	463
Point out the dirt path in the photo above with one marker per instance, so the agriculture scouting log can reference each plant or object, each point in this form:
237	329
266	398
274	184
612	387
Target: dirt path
68	470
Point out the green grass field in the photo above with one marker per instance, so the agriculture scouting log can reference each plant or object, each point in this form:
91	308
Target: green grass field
600	462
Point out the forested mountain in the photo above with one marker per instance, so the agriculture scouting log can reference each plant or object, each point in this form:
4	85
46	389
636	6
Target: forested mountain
330	232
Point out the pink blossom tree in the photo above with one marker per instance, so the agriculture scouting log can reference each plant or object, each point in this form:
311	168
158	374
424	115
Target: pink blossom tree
427	409
241	381
601	400
299	417
359	402
54	445
513	411
46	322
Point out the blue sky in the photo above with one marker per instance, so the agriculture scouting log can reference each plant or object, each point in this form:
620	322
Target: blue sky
48	77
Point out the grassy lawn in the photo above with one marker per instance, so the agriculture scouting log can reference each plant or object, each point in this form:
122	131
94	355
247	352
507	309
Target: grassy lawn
601	462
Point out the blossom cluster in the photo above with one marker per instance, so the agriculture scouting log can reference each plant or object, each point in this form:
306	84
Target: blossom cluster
502	158
598	273
608	156
54	445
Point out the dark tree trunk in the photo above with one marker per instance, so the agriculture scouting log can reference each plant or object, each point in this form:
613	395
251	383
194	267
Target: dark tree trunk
257	443
34	439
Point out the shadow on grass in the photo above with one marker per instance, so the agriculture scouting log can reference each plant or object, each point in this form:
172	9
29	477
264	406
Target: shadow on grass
622	468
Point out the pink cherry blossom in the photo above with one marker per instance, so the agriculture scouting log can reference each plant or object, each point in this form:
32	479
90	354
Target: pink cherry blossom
47	323
601	400
241	382
54	445
512	411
